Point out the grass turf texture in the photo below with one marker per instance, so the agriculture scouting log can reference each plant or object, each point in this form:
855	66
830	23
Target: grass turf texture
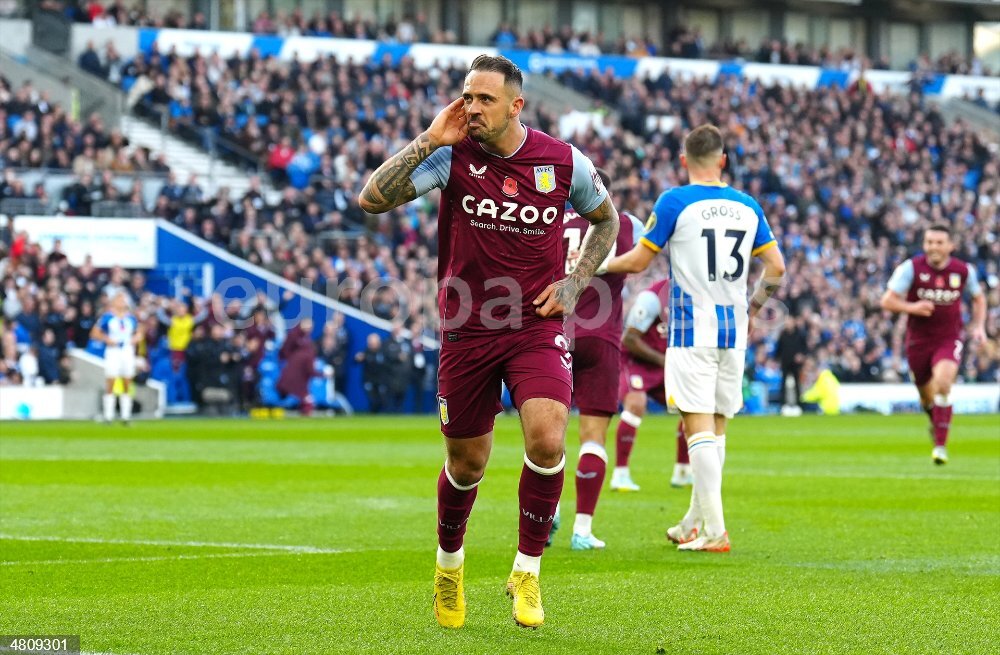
846	539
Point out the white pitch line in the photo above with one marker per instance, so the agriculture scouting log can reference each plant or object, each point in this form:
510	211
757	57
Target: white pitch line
861	476
154	558
312	550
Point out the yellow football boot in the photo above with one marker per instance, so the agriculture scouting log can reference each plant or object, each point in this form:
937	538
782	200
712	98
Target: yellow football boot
449	597
523	588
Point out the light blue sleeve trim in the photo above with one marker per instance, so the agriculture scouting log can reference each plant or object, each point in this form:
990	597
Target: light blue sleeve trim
644	312
637	229
972	284
433	172
586	191
902	278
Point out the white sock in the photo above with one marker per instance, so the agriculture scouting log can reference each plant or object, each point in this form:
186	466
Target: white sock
692	519
942	400
448	560
583	524
527	563
109	406
707	481
126	402
620	471
720	447
678	470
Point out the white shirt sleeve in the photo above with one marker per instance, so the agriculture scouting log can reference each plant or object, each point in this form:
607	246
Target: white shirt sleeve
644	312
902	278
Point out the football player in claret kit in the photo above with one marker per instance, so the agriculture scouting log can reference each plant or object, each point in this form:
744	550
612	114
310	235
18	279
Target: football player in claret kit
502	296
928	288
594	330
644	349
712	232
117	329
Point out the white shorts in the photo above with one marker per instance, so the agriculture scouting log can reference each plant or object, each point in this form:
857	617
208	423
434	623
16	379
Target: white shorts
119	362
705	380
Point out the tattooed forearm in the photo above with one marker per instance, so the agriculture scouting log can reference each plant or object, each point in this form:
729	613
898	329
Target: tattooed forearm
600	237
596	246
390	186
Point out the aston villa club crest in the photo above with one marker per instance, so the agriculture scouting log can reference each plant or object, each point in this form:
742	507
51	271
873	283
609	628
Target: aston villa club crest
955	280
509	187
443	410
545	178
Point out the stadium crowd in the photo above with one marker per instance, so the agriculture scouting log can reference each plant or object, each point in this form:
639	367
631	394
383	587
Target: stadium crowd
848	177
683	41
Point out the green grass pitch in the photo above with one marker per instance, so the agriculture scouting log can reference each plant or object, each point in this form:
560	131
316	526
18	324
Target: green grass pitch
318	536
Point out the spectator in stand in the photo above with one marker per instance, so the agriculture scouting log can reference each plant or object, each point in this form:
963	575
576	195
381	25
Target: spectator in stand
279	159
398	353
299	354
259	338
334	350
790	350
90	61
180	324
376	373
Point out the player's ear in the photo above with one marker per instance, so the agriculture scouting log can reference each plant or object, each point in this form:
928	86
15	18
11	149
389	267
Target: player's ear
684	160
516	106
723	158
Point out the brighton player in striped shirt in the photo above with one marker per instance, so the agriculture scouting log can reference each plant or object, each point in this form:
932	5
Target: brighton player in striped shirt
712	232
118	330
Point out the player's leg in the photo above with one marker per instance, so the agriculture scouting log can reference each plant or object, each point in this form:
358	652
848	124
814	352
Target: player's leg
692	386
458	484
544	423
682	476
596	373
108	400
944	371
919	359
538	372
468	401
590	472
127	372
633	409
112	369
728	400
720	438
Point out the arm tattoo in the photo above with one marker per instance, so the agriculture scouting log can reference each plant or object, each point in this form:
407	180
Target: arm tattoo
596	246
390	186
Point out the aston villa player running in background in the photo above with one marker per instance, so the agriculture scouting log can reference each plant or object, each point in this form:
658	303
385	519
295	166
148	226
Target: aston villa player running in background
928	288
502	299
595	330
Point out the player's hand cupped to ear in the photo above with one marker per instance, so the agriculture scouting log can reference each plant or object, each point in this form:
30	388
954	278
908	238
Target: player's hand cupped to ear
450	126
